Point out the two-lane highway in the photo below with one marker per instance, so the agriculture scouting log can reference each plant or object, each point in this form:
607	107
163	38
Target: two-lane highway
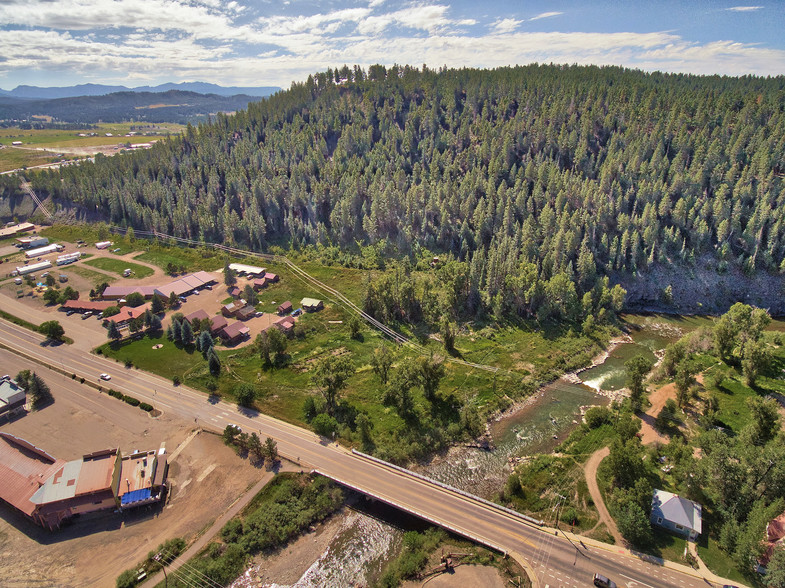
557	561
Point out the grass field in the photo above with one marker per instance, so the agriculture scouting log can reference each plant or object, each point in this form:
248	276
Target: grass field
67	144
88	274
118	266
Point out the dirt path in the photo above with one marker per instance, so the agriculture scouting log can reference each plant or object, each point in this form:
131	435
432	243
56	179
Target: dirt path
590	470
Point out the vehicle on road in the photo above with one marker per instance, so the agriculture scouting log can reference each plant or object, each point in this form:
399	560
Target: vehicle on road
105	377
603	581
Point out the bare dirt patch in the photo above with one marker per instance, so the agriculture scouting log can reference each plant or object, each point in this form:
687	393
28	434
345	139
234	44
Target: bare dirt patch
658	398
467	576
206	478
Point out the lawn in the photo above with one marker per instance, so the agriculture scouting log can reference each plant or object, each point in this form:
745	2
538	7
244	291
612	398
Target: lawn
118	266
720	562
94	277
191	259
168	361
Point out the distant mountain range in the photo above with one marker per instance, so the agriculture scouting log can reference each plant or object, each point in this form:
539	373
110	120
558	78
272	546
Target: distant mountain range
164	106
38	93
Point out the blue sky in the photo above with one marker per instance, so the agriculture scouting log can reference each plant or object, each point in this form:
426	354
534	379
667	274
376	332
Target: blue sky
261	42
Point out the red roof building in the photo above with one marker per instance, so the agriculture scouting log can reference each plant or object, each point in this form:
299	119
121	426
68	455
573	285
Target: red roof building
128	313
271	277
285	308
217	323
85	305
259	283
49	490
234	333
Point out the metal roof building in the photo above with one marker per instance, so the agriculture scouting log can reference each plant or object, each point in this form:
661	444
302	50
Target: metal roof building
676	514
251	270
12	397
33	267
23	469
49	490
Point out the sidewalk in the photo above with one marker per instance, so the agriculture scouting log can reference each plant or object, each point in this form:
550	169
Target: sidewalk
702	573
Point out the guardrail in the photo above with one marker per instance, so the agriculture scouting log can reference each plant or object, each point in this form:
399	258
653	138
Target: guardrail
515	513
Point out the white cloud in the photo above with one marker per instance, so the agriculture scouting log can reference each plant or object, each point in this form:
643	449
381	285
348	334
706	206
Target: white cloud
212	40
505	25
545	15
744	8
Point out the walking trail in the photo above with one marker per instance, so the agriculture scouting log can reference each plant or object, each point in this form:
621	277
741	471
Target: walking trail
590	470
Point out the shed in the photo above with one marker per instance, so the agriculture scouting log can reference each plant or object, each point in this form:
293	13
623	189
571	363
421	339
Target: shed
245	313
271	277
285	308
230	309
285	324
671	511
259	283
311	304
234	292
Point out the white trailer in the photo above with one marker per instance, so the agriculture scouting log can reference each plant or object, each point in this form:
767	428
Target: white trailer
33	267
53	248
103	244
69	258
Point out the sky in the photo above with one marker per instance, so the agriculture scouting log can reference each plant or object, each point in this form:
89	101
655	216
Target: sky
277	42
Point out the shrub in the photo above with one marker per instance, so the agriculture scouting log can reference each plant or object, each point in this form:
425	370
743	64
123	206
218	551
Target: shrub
597	416
176	380
325	425
146	407
131	400
115	393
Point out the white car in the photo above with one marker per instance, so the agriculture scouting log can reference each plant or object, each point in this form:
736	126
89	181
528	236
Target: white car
105	377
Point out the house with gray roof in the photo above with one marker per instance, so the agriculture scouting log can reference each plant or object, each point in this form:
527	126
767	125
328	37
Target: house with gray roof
674	513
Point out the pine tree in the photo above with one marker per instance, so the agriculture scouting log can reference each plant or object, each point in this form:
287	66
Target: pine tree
213	362
113	332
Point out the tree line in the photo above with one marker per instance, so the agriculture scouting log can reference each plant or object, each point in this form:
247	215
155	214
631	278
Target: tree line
541	175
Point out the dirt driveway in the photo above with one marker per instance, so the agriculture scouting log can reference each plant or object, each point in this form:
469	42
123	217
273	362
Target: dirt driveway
206	478
658	398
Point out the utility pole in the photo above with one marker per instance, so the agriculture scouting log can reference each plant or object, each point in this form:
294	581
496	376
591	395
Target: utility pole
163	567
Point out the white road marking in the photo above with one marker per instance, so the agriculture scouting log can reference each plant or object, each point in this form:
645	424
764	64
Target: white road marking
636	582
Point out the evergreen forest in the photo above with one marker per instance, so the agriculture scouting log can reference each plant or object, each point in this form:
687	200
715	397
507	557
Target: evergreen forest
534	183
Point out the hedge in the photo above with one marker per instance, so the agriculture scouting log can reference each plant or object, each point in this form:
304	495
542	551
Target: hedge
146	407
131	400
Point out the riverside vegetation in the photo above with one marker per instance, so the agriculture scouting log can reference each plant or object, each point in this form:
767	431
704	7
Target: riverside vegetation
725	449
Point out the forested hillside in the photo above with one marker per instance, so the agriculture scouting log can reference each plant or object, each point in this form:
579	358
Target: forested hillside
541	179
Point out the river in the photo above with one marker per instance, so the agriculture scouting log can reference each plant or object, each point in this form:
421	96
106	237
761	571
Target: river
543	422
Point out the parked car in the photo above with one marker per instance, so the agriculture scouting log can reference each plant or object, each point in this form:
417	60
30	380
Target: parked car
297	312
603	582
259	313
115	250
105	377
88	314
70	312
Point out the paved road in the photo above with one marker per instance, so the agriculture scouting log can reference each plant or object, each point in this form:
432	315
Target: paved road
556	560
